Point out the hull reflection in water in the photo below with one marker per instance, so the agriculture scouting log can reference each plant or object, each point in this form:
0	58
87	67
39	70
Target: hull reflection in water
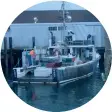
62	98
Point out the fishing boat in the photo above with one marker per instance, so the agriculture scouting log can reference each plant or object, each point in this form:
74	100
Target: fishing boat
61	61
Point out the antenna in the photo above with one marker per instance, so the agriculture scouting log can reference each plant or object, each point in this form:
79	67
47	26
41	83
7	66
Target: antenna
65	18
63	11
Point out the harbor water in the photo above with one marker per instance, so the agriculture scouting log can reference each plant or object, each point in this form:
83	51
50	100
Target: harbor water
60	98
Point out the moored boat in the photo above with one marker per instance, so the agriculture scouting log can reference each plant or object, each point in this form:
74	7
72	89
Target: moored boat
59	62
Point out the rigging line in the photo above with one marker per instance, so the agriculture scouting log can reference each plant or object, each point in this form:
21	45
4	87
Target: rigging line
18	62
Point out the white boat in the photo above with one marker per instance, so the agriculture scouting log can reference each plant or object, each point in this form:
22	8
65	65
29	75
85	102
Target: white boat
63	61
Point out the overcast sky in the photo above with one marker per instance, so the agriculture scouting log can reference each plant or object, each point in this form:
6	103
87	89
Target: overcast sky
52	5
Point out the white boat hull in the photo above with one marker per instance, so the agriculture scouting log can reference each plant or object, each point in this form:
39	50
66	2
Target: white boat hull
42	72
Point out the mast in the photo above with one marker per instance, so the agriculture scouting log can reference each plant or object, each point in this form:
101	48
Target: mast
65	18
63	26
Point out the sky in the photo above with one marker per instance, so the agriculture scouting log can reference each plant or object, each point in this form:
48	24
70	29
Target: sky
55	5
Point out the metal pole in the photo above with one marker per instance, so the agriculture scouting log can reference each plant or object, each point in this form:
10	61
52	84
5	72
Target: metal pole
63	9
33	42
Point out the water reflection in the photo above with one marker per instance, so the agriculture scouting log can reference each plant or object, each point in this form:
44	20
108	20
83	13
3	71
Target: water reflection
30	93
54	94
66	97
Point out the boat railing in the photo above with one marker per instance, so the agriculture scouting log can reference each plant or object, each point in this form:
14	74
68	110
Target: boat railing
80	42
83	64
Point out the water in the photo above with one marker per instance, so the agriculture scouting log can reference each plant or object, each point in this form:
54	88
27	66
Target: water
63	98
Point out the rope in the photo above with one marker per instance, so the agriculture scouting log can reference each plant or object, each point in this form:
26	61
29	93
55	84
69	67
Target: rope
18	62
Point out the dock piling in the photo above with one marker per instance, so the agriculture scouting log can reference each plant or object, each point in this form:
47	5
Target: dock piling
33	42
11	55
6	57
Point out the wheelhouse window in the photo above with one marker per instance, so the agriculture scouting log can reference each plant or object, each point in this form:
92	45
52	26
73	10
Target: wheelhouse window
52	28
60	28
